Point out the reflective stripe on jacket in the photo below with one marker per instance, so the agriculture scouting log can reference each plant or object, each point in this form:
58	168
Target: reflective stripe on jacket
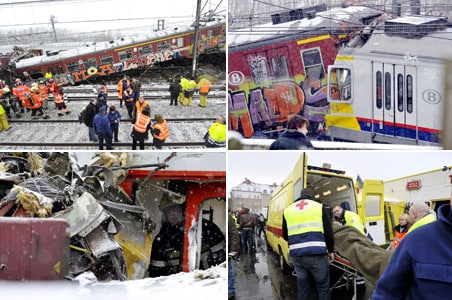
305	228
163	131
352	219
141	124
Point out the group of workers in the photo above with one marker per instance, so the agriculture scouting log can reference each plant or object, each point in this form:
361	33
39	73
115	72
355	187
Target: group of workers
182	89
18	98
416	267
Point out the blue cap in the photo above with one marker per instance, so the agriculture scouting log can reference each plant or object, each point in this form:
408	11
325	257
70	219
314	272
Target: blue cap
103	108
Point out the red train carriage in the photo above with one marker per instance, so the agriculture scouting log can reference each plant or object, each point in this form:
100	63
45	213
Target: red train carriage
102	59
280	68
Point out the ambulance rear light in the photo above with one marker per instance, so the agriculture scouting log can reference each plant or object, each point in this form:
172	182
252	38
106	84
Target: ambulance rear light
325	169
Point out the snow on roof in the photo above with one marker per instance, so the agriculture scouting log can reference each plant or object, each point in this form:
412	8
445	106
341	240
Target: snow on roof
249	186
333	19
98	47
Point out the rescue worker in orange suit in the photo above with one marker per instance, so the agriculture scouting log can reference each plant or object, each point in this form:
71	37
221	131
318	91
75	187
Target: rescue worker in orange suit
19	91
159	132
204	89
141	127
35	103
60	105
44	90
121	86
9	102
401	230
308	230
216	134
139	105
53	87
168	246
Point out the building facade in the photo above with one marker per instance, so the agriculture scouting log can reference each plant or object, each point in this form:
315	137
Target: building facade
252	195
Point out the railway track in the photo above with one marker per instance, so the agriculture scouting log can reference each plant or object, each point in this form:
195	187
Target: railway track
187	125
94	146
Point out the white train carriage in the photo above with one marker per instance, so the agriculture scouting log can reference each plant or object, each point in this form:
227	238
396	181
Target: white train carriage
389	86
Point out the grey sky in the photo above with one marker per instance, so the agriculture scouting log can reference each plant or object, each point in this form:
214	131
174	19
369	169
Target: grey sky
273	166
86	13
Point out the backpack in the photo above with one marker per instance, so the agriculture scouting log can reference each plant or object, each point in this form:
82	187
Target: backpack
81	116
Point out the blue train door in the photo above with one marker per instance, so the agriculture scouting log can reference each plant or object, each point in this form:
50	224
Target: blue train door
394	113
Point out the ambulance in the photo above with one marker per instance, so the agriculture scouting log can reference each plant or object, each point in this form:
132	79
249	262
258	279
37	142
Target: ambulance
432	187
332	187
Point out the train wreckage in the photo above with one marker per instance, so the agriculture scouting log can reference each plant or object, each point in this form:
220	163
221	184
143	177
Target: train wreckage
60	219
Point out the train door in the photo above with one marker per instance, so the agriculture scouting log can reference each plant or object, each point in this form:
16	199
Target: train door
394	109
279	61
405	105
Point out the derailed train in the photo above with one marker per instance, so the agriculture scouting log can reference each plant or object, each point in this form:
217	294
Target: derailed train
102	59
280	68
388	85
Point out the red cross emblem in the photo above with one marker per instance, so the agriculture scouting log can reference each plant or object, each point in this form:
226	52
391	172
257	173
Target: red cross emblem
301	204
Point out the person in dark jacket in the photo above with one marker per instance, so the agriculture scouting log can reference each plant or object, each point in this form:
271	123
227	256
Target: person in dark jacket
308	230
294	138
168	246
233	253
246	228
90	112
420	266
102	128
174	89
114	117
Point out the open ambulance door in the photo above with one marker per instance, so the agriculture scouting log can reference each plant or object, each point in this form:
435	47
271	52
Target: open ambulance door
300	176
371	209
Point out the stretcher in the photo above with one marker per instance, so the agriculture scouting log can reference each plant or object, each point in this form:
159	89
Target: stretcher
350	275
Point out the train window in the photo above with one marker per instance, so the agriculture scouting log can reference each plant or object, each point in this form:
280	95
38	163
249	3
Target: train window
90	62
73	66
379	90
180	42
279	66
124	55
258	67
162	46
146	50
340	85
36	74
388	88
313	65
106	60
55	69
400	91
284	67
409	93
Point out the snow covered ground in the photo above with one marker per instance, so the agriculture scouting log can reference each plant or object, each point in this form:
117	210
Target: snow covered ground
200	284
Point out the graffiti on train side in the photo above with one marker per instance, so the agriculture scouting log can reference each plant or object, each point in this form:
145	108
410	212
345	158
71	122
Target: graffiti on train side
267	108
126	65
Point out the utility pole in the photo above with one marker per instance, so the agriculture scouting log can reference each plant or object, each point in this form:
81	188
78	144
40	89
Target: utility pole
52	20
196	39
